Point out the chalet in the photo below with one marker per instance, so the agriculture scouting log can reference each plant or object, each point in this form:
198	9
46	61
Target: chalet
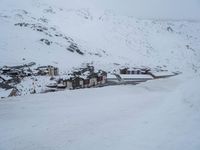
77	82
84	70
134	70
102	77
43	70
83	78
48	70
86	83
93	79
71	83
53	71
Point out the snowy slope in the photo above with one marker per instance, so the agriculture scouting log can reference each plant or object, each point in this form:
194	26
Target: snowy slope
159	114
162	114
104	37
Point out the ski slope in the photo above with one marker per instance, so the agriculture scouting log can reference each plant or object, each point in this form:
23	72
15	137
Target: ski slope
162	114
158	114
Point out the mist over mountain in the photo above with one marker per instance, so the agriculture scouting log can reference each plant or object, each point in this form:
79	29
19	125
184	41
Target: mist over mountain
154	9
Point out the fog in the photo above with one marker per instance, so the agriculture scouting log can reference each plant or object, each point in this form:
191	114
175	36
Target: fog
163	9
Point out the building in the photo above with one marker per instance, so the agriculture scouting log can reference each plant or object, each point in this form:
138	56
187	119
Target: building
102	77
72	83
53	71
112	78
93	79
86	83
77	82
161	74
135	78
134	70
48	70
83	78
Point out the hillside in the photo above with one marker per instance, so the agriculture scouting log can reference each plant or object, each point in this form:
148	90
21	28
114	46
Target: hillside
39	32
61	87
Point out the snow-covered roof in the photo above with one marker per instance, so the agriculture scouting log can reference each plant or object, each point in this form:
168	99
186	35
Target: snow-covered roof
161	73
5	77
111	76
83	77
86	73
135	76
64	77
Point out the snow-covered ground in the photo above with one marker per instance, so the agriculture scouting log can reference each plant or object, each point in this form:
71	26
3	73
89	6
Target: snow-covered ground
162	114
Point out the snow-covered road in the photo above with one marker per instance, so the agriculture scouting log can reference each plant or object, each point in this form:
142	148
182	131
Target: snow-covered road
161	114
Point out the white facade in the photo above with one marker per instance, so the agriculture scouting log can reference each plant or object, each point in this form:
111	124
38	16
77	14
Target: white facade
81	83
104	80
93	82
69	85
52	71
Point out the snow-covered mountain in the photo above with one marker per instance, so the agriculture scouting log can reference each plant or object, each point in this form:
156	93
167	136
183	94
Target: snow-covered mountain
158	114
44	32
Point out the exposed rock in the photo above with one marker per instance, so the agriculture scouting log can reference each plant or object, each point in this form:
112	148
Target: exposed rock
169	29
74	48
46	41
